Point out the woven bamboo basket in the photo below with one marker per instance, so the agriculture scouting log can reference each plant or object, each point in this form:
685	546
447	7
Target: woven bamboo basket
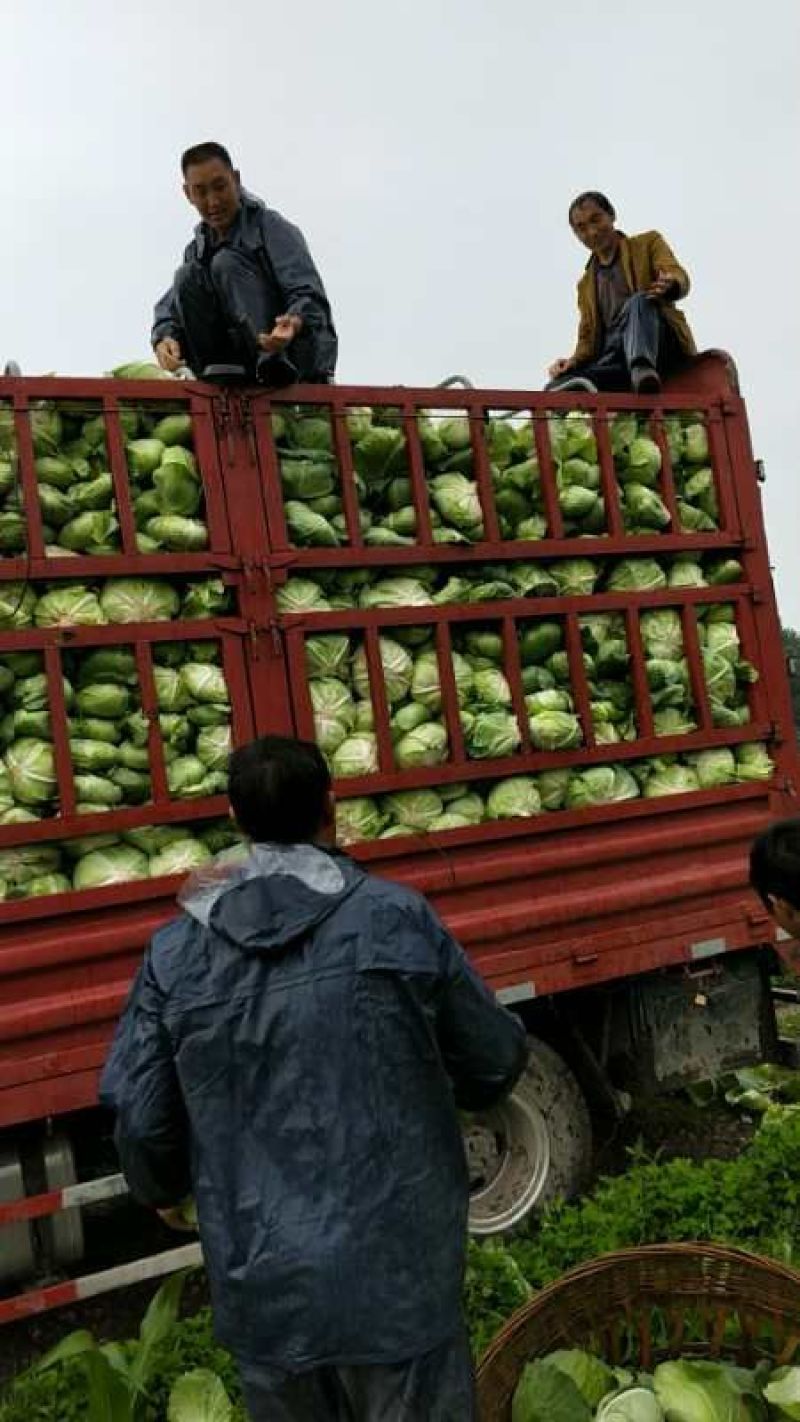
641	1306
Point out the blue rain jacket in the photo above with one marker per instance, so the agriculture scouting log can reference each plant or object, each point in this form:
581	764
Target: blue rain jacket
293	1052
291	280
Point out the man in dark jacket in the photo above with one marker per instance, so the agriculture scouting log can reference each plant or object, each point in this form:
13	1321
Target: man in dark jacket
629	329
293	1053
248	293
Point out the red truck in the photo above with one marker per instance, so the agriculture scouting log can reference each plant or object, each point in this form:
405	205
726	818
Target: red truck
162	540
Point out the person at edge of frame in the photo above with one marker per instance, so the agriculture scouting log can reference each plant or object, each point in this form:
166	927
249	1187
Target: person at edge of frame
630	332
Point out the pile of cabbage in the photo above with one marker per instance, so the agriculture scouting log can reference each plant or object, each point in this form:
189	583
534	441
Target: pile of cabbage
108	732
570	1385
34	870
344	718
110	601
312	488
463	805
428	585
76	492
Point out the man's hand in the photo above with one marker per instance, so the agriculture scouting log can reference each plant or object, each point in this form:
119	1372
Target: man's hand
560	366
661	287
282	333
180	1217
169	354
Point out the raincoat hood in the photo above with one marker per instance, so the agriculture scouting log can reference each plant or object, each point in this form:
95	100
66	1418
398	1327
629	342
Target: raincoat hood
271	896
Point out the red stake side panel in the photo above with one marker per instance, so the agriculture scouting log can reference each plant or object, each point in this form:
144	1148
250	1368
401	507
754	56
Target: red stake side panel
567	899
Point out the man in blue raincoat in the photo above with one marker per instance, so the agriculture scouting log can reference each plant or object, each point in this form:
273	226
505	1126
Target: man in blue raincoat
248	293
293	1053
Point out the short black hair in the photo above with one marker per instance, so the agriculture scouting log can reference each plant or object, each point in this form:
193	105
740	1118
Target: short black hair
203	153
775	863
277	788
601	200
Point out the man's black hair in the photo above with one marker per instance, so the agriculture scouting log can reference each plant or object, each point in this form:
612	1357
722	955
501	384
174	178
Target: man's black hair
278	788
775	863
203	153
601	200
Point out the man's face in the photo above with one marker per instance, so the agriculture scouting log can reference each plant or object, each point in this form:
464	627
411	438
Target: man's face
214	189
593	227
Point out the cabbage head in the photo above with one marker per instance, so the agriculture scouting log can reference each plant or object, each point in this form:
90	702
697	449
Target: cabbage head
643	462
490	688
213	746
714	767
31	768
601	785
553	786
396	592
695	444
357	755
632	574
17	604
753	762
492	734
782	1392
117	864
414	809
328	654
670	780
546	1394
695	1391
181	857
301	595
662	633
424	746
515	798
330	697
555	730
177	533
468	806
357	819
204	682
456	499
645	508
575	577
398	669
139	600
425	683
593	1378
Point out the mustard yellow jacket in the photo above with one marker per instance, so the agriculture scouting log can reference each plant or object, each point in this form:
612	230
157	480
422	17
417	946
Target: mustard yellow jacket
643	256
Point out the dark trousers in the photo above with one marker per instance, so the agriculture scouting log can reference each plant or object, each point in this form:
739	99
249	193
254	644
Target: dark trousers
436	1387
223	305
639	335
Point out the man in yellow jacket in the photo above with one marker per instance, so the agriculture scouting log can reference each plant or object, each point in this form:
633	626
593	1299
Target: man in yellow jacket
629	330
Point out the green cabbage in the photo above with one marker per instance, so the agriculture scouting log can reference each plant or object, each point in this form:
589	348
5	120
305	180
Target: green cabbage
357	819
357	755
117	864
515	798
139	600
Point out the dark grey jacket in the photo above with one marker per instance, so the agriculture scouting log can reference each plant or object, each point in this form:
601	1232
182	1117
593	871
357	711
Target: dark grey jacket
293	283
294	1051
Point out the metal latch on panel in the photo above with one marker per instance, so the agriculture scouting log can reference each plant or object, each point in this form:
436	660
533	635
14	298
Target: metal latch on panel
707	948
517	992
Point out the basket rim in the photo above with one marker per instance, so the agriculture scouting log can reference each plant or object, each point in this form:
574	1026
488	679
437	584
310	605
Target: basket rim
621	1258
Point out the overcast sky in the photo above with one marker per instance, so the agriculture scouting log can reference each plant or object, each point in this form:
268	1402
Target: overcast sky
428	150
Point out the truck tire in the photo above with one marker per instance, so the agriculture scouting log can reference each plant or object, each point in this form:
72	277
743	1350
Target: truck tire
534	1147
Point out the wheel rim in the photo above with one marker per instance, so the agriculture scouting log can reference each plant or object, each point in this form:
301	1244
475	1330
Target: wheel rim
508	1156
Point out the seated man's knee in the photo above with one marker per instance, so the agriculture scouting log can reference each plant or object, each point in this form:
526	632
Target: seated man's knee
185	278
225	264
